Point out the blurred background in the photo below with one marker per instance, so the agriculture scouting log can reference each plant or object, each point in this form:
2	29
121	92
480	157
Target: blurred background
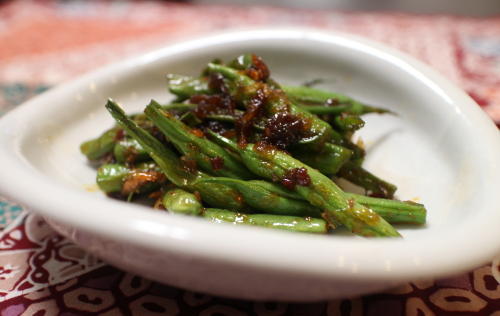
52	41
462	7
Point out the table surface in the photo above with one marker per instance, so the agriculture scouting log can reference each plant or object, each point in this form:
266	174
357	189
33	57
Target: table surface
51	42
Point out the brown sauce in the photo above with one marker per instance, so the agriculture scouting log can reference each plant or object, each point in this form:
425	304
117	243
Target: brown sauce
258	70
294	177
255	110
284	129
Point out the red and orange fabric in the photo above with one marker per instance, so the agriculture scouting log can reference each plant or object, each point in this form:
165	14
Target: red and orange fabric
45	43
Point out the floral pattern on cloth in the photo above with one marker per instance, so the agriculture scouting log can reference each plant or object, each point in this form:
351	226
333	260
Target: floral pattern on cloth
33	256
42	273
109	291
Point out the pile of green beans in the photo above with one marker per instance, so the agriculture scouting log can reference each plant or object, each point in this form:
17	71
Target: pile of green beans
237	147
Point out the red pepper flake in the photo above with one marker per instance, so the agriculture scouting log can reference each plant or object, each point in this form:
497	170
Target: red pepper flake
284	129
258	70
296	176
217	163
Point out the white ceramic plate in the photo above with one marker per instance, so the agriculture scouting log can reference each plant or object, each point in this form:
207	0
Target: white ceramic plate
441	149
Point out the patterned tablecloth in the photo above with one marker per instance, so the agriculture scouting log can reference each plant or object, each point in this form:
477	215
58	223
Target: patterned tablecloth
44	43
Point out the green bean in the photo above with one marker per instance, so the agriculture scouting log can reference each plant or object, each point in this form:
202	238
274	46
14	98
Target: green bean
182	202
329	161
184	86
289	223
218	195
358	152
332	103
113	178
110	177
170	164
261	199
348	122
394	211
365	179
129	150
320	191
100	146
209	156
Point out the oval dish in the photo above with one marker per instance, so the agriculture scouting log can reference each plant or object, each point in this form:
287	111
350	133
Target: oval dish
441	149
